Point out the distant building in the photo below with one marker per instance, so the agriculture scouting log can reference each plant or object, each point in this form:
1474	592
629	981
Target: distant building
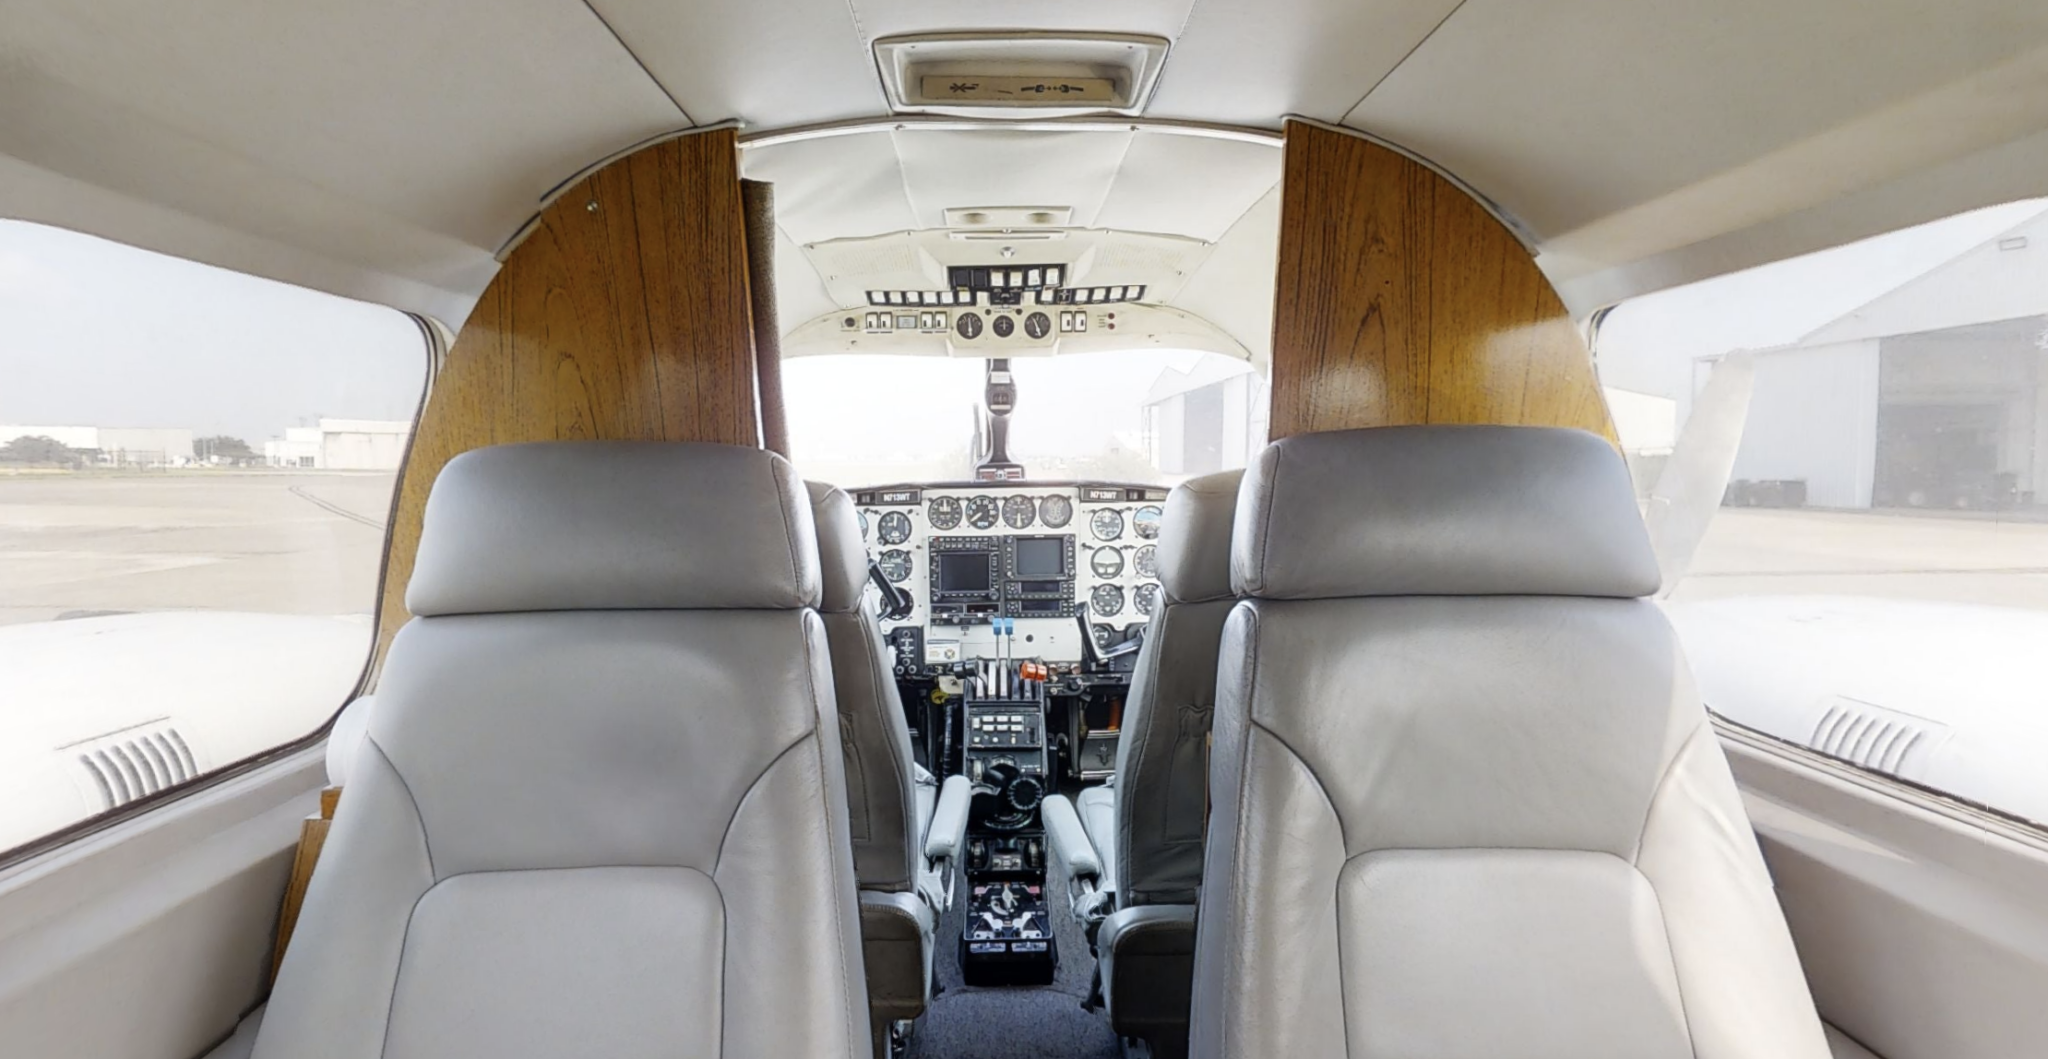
116	446
1913	399
1205	420
341	445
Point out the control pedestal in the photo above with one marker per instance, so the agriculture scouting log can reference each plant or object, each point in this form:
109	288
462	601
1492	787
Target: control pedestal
1008	938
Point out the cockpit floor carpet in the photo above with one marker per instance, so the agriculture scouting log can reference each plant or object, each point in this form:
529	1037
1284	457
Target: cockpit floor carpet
1028	1022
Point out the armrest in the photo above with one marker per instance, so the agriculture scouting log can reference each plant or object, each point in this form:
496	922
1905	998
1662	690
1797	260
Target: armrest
948	830
1063	827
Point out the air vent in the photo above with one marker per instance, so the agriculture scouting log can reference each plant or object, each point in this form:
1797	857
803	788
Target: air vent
136	763
1876	738
1035	75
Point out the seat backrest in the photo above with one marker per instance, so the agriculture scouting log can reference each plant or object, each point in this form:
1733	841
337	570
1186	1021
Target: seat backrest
600	794
880	768
1162	757
1467	799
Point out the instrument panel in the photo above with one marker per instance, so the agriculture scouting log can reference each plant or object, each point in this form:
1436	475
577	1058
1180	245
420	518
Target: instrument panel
971	552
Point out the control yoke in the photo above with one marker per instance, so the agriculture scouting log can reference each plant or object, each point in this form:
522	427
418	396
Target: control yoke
897	603
1094	657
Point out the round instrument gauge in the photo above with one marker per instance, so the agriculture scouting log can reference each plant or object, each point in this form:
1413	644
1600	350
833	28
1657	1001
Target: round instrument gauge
1146	522
863	525
983	511
944	512
1018	512
1106	524
1038	325
895	564
1055	511
1003	326
894	528
1145	598
968	326
1106	601
1106	562
1146	562
1105	636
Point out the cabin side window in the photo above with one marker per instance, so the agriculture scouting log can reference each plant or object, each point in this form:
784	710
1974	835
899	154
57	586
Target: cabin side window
1873	580
196	469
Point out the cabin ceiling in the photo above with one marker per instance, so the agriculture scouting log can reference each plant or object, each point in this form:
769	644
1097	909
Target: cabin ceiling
385	149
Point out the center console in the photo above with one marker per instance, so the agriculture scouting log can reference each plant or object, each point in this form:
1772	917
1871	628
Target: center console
1007	937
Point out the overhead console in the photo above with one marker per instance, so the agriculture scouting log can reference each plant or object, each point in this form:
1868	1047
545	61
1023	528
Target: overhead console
1005	292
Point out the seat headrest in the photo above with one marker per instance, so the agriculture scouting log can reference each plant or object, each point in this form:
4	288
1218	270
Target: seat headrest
615	525
1194	538
842	555
1440	511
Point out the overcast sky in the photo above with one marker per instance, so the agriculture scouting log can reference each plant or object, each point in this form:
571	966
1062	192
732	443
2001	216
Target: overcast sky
95	333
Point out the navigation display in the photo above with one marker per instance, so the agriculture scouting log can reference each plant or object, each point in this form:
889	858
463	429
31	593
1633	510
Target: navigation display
1042	557
963	572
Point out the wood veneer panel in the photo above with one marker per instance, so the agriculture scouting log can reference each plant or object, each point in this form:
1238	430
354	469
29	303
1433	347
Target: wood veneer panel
623	315
1400	300
312	839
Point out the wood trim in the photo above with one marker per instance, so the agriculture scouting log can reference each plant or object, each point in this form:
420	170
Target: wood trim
312	839
623	314
1401	300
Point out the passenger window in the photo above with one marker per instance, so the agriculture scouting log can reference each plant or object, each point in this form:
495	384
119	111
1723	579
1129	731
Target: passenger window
1874	582
196	467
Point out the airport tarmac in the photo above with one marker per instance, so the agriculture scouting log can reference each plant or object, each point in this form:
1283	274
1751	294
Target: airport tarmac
311	542
266	541
1952	559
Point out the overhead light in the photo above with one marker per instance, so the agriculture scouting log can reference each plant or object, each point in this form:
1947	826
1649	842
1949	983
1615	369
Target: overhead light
981	74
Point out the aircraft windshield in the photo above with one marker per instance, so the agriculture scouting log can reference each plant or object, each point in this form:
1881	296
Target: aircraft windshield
1154	416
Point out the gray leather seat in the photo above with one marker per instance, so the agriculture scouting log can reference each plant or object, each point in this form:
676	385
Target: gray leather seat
906	834
1146	829
598	809
1467	802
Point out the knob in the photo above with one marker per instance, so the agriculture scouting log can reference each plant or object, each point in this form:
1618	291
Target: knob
1025	793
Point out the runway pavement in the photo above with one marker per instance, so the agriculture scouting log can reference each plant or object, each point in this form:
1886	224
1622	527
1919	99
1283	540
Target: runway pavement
310	543
275	542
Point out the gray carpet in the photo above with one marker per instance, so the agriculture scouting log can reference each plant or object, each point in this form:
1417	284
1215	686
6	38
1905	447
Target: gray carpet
1016	1022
